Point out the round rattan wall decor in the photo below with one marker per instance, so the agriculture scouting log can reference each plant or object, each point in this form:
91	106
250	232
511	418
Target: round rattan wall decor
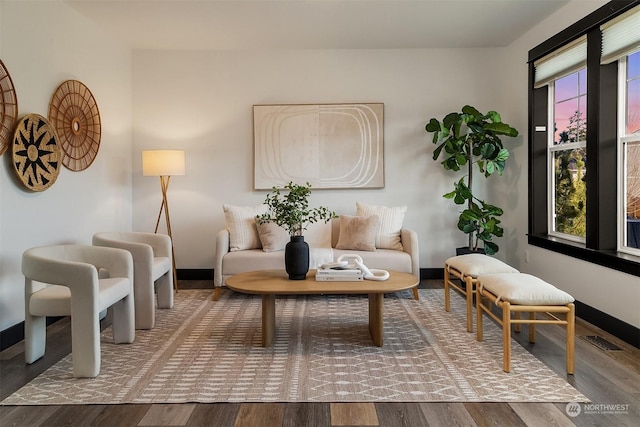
74	115
36	153
8	108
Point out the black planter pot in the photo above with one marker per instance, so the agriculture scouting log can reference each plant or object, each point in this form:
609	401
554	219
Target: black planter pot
296	258
464	250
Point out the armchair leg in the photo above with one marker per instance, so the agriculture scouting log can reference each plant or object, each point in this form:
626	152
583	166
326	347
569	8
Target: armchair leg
216	293
85	342
35	337
124	321
145	311
164	289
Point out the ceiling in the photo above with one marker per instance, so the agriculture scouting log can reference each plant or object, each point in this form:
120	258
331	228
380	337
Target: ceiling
315	24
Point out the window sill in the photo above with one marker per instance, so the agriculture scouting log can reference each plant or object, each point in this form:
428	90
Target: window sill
625	263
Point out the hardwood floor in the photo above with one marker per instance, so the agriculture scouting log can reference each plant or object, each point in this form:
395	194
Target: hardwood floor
610	379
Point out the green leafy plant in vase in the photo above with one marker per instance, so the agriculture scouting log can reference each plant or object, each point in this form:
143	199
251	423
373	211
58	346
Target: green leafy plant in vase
289	208
464	139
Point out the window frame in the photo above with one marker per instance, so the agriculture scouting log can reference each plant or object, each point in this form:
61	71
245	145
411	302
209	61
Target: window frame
623	141
601	243
622	193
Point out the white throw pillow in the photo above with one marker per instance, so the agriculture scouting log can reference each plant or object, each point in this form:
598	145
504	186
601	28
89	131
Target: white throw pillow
241	223
391	219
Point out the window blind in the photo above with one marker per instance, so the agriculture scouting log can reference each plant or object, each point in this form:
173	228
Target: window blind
561	62
621	36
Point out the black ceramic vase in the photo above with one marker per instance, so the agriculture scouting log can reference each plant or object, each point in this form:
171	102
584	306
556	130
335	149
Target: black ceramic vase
296	258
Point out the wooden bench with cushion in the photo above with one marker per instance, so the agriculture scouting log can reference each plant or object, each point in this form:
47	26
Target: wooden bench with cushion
517	293
467	268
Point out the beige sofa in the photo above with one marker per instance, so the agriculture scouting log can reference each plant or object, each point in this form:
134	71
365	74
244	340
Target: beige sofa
228	263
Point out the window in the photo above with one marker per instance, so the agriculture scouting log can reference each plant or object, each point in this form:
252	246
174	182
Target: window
568	156
584	103
630	152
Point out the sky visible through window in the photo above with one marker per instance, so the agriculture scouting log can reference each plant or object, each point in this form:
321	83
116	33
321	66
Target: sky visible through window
633	93
571	108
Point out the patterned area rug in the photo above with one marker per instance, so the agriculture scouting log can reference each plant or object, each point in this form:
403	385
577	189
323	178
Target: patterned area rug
205	351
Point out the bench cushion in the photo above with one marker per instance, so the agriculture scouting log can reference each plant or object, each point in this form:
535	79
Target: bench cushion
476	264
523	289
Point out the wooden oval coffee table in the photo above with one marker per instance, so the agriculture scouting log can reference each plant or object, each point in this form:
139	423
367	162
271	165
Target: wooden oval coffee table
270	283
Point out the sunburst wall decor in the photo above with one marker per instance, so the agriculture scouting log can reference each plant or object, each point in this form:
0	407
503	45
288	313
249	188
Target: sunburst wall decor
36	153
8	108
73	113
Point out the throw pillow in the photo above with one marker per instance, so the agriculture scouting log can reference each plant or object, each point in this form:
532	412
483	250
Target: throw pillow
241	223
273	237
391	219
358	232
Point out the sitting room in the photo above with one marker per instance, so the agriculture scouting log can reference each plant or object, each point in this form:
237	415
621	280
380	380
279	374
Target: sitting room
356	99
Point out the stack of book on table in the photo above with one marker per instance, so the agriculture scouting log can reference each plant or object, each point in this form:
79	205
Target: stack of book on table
342	274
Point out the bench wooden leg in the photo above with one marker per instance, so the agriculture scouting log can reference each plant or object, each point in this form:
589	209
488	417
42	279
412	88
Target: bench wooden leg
506	336
447	277
469	296
571	332
415	294
532	328
478	314
516	326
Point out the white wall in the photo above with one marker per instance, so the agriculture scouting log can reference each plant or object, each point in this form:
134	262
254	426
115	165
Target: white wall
42	44
202	102
610	291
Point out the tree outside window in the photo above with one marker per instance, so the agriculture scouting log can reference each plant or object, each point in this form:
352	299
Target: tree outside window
569	155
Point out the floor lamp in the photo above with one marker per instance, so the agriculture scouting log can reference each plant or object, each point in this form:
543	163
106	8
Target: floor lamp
164	163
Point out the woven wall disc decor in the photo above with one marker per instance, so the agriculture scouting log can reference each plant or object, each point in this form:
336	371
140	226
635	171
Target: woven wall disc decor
8	108
74	115
36	153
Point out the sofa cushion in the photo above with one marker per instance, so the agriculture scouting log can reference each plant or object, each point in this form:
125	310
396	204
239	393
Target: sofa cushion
252	259
241	223
383	259
358	232
255	259
272	237
391	219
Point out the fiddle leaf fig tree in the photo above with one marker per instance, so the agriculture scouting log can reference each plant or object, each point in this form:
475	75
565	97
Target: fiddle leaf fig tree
463	139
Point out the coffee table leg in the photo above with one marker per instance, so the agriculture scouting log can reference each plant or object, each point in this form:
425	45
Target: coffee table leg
376	325
268	319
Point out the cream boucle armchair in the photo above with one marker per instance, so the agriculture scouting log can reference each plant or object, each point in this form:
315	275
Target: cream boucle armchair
152	270
77	290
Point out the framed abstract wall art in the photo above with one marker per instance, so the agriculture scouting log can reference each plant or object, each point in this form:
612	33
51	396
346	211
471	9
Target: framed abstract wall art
327	145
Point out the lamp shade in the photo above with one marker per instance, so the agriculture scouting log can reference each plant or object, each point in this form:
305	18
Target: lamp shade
162	162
